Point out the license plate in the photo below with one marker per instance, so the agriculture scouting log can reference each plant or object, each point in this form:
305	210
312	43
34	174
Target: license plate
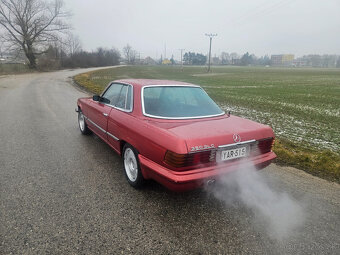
234	153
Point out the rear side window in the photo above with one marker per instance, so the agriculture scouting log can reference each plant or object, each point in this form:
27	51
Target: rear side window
120	96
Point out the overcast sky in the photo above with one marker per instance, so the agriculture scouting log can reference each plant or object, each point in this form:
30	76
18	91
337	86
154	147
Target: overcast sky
257	26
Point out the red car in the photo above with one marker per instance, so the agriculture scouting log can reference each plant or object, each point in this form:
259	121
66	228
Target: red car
172	132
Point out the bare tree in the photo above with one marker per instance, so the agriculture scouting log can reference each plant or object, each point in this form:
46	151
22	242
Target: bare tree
133	57
225	57
31	25
127	51
73	44
234	55
130	54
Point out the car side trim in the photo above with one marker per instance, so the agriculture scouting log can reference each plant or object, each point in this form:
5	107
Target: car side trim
97	126
114	137
101	129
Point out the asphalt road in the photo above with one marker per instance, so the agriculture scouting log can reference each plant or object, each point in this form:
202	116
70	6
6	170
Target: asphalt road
64	193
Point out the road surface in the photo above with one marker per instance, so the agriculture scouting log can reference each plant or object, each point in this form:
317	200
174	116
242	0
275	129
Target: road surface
65	193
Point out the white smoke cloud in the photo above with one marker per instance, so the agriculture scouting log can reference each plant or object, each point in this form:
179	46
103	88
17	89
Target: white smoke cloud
280	214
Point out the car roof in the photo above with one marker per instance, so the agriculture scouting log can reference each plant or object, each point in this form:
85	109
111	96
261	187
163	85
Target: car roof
148	82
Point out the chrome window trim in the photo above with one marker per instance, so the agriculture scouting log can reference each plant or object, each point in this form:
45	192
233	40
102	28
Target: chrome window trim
236	144
126	97
132	96
175	118
101	129
117	108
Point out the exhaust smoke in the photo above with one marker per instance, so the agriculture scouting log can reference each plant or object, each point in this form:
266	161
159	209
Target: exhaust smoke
280	214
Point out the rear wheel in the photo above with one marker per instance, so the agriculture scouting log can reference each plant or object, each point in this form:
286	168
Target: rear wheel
82	124
132	169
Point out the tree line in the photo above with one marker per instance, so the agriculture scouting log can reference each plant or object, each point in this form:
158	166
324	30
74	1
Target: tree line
55	58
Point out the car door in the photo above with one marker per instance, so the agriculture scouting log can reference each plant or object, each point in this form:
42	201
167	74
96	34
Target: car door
122	108
99	111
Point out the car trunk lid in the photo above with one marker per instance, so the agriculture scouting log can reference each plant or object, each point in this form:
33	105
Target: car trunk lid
211	133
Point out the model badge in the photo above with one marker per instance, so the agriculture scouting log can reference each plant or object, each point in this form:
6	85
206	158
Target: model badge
202	147
237	138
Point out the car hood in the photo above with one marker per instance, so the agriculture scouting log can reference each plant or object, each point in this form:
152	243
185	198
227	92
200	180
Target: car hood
200	134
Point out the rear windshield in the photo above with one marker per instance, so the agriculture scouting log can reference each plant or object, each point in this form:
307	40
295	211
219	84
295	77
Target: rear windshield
178	102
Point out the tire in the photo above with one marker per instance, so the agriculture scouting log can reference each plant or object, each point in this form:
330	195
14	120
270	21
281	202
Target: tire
132	169
82	124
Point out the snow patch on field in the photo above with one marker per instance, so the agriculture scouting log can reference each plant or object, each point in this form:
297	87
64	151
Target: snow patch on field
306	108
289	127
326	110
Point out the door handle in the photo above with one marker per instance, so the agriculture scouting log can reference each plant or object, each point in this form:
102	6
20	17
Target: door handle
105	114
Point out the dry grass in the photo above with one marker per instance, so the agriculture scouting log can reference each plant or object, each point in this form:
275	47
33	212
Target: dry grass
322	163
86	82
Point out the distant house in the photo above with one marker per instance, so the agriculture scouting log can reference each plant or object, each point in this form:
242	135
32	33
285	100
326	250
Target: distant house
282	60
166	62
299	62
9	59
149	61
5	58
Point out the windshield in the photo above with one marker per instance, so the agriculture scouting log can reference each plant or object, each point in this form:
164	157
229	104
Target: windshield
178	102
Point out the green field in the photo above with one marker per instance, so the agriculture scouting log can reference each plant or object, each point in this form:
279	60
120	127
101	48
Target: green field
302	105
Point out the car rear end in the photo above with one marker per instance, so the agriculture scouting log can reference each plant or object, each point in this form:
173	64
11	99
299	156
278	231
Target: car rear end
211	154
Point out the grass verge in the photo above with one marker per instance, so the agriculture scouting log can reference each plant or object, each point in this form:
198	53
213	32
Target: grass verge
84	80
302	105
13	69
321	163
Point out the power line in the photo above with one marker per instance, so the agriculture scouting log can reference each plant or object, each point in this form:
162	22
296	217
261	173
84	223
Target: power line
266	11
259	11
250	11
164	50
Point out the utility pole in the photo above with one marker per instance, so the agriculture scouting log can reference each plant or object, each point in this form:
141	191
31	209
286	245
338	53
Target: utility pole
211	37
181	58
164	50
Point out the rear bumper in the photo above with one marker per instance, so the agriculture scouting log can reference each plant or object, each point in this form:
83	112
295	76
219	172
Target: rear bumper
188	180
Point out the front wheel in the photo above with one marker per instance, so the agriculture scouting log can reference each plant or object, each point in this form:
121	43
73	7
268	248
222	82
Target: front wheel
131	166
82	124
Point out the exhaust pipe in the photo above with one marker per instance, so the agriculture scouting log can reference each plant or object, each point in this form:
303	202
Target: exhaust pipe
211	182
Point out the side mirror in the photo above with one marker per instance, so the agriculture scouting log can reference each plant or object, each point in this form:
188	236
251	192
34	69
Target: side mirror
96	98
104	100
101	99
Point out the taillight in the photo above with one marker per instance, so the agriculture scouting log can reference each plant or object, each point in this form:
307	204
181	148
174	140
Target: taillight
187	160
262	146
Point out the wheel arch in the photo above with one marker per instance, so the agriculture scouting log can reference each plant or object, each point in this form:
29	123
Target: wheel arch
122	144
